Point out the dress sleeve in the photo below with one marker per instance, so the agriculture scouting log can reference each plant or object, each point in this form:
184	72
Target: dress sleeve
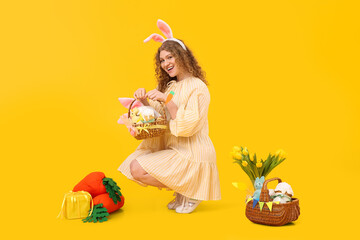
191	116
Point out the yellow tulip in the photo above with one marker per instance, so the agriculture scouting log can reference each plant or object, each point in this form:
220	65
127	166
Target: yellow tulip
238	156
259	164
252	157
236	149
244	163
245	152
281	153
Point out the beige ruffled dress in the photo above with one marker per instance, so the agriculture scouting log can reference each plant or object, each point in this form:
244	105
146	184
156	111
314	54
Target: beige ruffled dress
183	159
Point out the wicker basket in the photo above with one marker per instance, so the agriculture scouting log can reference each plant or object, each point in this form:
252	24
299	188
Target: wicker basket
153	129
281	213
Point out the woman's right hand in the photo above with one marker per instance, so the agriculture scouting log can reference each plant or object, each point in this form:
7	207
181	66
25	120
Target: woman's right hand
140	95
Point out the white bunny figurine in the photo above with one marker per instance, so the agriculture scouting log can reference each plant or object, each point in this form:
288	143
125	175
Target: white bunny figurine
271	192
283	193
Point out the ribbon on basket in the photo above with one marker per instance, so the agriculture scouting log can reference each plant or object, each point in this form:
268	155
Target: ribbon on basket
148	126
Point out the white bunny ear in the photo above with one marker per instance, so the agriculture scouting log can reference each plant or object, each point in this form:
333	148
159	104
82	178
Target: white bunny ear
164	28
156	37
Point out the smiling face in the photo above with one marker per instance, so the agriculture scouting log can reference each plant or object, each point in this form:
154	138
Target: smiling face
168	63
171	54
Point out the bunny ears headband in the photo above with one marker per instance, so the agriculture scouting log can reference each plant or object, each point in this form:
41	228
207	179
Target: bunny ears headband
166	30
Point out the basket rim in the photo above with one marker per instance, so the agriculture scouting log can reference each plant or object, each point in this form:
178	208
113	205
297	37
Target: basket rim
293	200
156	122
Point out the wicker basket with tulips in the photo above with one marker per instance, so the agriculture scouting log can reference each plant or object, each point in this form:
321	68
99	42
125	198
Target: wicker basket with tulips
262	210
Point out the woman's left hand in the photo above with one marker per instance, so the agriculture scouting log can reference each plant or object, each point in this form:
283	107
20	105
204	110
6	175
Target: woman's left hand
156	95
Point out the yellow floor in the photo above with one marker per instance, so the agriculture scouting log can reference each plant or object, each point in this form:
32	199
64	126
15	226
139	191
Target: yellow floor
145	216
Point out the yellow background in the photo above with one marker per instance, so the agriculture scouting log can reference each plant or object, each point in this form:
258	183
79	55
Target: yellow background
282	74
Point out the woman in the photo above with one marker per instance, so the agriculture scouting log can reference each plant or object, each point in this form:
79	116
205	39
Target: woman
184	159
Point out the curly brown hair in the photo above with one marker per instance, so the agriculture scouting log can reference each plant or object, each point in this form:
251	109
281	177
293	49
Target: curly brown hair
184	58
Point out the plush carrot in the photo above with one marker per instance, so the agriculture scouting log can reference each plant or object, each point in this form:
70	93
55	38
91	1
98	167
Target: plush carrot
108	203
96	183
103	205
92	183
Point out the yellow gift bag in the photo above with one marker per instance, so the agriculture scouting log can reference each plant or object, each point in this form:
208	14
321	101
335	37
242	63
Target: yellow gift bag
76	205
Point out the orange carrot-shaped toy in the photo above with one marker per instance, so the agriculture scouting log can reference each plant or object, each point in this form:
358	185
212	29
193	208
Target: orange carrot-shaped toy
103	205
108	202
169	97
92	183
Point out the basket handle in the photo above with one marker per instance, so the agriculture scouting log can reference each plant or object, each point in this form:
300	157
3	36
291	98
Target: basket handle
162	108
264	195
130	107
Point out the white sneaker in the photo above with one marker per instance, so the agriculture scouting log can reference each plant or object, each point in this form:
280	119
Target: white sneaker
188	205
176	201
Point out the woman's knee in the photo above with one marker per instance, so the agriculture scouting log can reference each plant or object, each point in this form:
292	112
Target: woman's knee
136	170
